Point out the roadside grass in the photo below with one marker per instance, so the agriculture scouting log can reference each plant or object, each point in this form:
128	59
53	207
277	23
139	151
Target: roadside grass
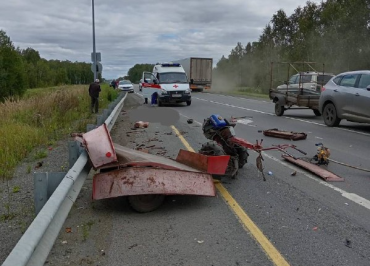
245	91
42	117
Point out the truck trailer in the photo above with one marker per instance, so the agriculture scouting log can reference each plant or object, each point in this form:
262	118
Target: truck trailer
199	72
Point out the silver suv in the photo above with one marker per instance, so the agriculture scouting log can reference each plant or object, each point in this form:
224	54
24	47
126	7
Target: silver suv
346	96
309	81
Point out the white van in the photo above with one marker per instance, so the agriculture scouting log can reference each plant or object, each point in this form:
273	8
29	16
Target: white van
168	83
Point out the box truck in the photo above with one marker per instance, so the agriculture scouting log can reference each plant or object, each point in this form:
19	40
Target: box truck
199	72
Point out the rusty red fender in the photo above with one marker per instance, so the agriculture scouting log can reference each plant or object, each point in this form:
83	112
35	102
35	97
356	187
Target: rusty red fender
140	173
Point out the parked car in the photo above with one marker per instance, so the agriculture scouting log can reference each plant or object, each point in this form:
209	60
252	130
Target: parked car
346	96
126	85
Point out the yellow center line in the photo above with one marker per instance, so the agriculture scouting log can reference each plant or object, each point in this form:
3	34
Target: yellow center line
244	219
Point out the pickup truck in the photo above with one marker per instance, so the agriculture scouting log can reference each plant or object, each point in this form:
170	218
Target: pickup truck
302	91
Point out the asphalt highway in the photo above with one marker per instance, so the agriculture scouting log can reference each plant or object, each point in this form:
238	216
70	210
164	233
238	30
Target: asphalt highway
287	220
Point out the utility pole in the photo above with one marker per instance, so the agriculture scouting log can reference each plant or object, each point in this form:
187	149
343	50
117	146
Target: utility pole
94	48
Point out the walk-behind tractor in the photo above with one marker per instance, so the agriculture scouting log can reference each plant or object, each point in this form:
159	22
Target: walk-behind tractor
224	142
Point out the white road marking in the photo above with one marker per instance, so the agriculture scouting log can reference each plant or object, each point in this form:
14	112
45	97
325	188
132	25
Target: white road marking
272	114
244	121
350	196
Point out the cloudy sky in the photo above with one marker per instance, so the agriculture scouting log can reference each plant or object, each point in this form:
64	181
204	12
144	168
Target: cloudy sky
137	31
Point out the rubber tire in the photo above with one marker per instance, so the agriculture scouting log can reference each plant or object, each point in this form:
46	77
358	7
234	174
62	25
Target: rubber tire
146	101
188	103
159	103
330	115
243	156
316	112
145	203
279	109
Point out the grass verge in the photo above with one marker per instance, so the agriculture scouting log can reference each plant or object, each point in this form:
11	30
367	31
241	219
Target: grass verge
41	117
244	91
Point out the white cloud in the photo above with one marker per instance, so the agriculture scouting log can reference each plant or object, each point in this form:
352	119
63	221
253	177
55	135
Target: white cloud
134	31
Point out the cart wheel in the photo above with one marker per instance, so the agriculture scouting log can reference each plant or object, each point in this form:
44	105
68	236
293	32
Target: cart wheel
279	109
211	148
145	203
316	112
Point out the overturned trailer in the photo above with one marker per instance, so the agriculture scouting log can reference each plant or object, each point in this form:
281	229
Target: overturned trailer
146	178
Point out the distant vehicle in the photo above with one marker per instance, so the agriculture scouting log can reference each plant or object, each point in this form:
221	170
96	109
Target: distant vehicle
312	81
167	83
346	96
199	72
125	85
302	90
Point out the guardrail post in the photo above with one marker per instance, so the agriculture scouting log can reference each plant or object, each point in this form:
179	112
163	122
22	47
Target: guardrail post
90	127
45	185
41	190
99	120
73	152
105	114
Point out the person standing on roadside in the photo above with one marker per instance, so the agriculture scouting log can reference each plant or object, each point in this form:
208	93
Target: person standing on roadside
113	84
94	90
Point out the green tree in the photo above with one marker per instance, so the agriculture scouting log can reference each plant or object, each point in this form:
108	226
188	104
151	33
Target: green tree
12	73
135	73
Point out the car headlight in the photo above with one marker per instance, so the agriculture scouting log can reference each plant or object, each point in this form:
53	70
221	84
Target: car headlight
164	92
187	92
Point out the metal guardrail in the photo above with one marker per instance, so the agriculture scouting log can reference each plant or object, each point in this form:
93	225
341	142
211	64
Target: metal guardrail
34	246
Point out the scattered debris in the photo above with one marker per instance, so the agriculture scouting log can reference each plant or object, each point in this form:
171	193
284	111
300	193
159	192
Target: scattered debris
159	148
315	228
64	242
269	172
141	124
322	155
323	173
68	230
190	121
200	241
294	173
143	150
132	246
348	243
139	146
169	133
102	252
38	164
274	132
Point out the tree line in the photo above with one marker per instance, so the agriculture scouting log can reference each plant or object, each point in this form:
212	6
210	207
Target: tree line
135	73
335	34
21	69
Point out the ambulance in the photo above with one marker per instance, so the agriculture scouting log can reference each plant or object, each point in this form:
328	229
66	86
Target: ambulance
167	84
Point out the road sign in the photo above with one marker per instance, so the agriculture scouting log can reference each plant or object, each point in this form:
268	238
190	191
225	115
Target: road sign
98	57
99	67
